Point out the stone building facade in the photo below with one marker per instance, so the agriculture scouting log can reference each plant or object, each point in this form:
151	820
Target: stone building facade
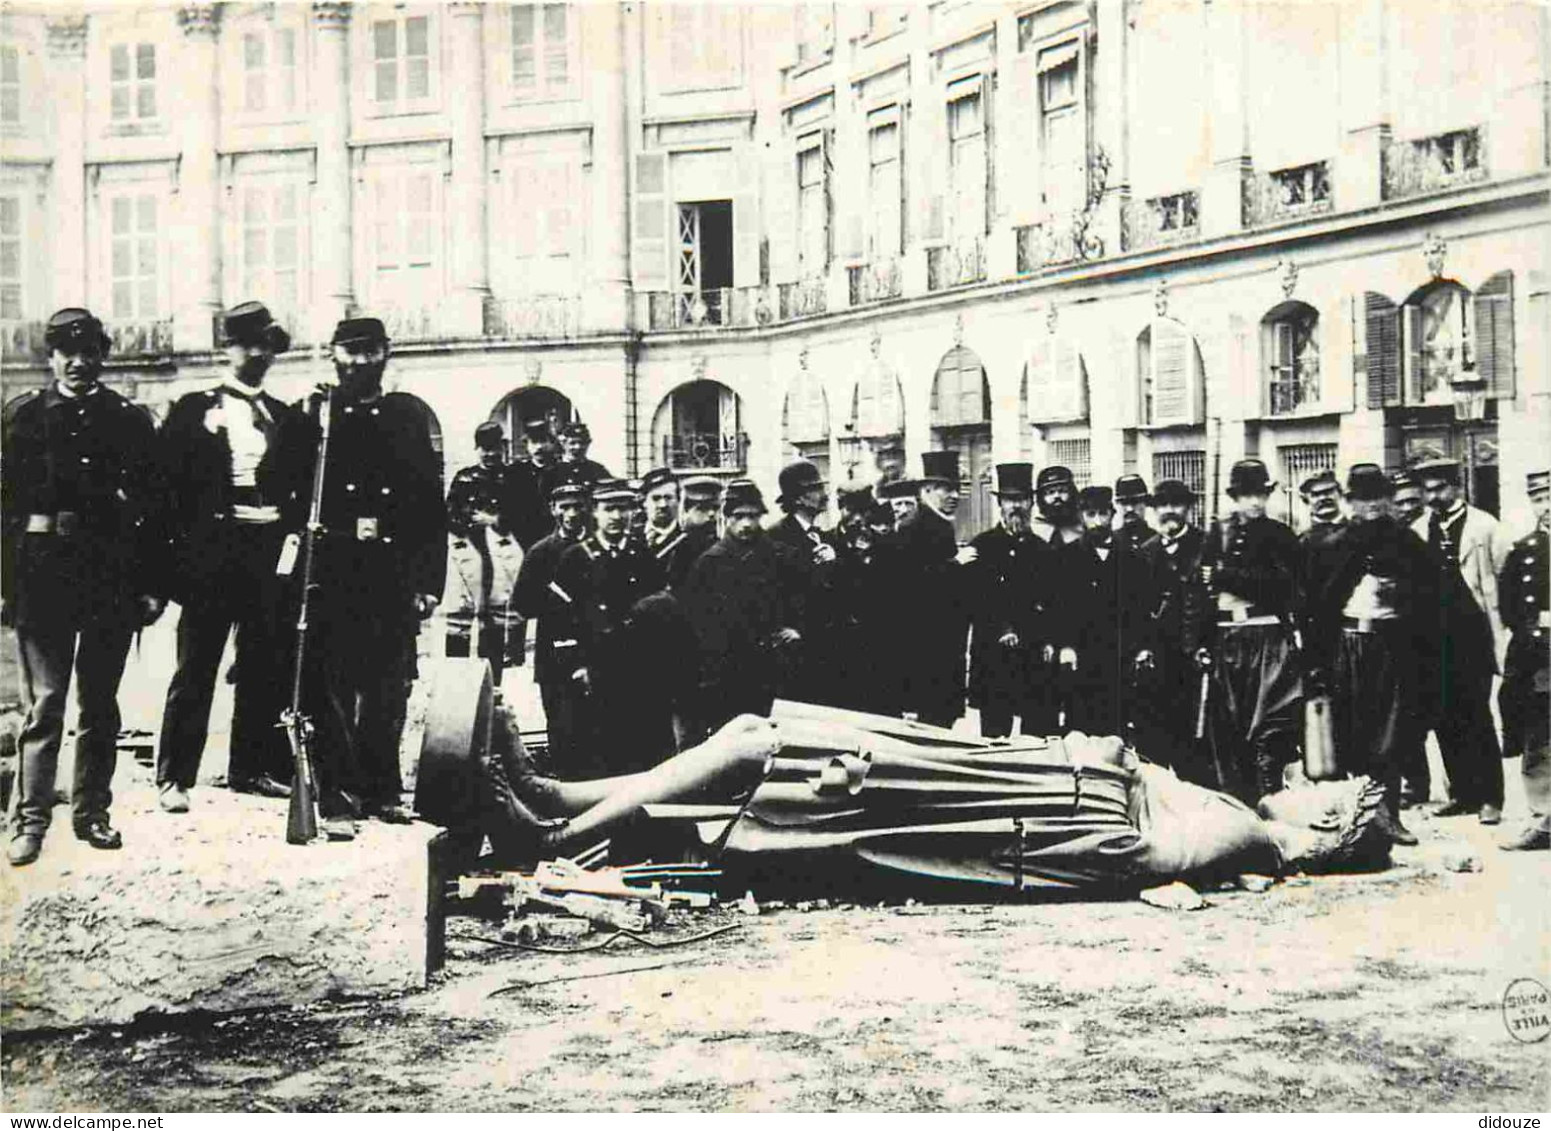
1118	234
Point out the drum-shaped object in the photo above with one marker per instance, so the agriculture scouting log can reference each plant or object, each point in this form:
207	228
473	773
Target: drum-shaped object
451	778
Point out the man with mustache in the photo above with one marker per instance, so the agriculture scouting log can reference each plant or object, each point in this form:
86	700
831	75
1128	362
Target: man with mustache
1524	598
1056	493
864	661
1131	499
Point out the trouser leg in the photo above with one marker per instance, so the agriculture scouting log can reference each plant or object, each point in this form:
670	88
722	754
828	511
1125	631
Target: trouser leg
995	720
46	652
99	666
1536	767
263	691
202	632
383	701
1467	739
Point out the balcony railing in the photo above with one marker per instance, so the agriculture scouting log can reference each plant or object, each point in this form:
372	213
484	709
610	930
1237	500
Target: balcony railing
533	316
1051	243
1285	194
1293	392
408	322
704	310
141	339
1160	221
955	265
1430	164
802	299
22	341
705	451
875	282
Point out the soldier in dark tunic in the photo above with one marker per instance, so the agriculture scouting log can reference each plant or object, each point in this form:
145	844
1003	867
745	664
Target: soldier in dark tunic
1131	499
1368	627
226	538
932	585
1524	596
532	482
1168	710
1408	505
80	511
575	465
660	508
1252	568
381	567
1101	620
695	530
481	508
1008	596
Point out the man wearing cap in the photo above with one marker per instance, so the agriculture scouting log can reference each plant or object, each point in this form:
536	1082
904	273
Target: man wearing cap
1321	494
532	483
862	664
1006	587
901	497
1469	547
1055	492
660	508
574	465
481	506
82	525
226	539
1524	600
1252	570
1131	499
380	567
697	531
1167	712
1368	627
1101	620
747	599
933	586
1408	504
606	575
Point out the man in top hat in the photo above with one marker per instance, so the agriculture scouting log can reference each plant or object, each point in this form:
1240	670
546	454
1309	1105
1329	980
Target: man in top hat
605	576
933	585
1131	499
861	668
747	598
380	567
533	481
80	513
1007	588
481	507
1055	492
1252	568
575	466
1369	624
1470	548
1524	600
226	537
901	497
1408	503
1166	712
1102	626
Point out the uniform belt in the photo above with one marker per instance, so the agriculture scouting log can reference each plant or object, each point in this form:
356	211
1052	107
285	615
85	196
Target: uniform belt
248	497
363	528
63	523
1367	625
1247	615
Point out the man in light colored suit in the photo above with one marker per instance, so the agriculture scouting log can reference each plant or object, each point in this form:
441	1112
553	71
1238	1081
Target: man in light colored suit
1470	547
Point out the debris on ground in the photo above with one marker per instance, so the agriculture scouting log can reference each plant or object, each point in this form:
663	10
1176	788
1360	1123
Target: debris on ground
1178	896
1253	882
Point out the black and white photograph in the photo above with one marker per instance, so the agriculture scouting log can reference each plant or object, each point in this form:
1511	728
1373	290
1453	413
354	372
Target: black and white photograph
614	556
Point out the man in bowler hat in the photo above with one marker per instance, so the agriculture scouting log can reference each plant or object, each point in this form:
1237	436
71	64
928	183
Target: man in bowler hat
1131	499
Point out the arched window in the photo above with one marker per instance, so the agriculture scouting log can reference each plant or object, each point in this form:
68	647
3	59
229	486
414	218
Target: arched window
961	421
805	421
1436	346
699	427
1169	375
534	402
960	393
1289	349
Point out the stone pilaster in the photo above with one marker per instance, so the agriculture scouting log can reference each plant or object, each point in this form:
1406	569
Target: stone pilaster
333	295
463	314
67	100
195	241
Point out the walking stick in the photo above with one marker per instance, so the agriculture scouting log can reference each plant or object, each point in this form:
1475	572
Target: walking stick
302	820
1206	672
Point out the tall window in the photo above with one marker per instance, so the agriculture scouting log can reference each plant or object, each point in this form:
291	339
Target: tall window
967	157
886	187
1438	349
543	196
812	208
271	246
401	60
541	49
1062	146
406	235
10	86
10	258
134	260
269	71
132	81
1291	342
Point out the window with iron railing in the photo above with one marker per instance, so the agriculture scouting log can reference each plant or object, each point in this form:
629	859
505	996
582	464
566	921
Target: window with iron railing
1291	342
1441	161
1187	466
1074	455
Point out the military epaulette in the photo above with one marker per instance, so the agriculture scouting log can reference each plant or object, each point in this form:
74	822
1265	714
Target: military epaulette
13	405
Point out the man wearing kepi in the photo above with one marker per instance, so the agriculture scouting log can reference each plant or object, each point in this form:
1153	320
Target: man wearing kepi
1251	568
80	506
226	542
1368	630
1007	584
696	528
1055	491
381	567
482	508
933	585
1470	547
1524	599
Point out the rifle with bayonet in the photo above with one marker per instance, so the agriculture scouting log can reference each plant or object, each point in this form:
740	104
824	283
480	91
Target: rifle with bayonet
1212	540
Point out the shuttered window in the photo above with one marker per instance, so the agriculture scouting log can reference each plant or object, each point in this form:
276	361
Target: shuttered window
1495	358
886	186
878	408
813	206
1170	374
649	257
132	81
806	412
960	394
271	246
10	85
10	257
1378	361
541	49
135	257
1055	382
401	61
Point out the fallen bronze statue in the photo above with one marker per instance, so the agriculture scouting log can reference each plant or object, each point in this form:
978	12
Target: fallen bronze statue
811	785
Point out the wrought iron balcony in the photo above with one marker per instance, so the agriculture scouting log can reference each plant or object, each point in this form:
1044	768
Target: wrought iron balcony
1432	164
1284	194
22	341
408	322
1051	243
802	299
956	264
533	316
1161	220
705	309
875	282
705	451
141	339
1293	392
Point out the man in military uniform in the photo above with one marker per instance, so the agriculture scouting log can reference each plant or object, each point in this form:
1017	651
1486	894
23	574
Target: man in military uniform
575	466
1006	590
380	568
933	586
1470	547
864	664
1368	624
1524	600
481	506
1131	499
1056	493
606	575
1167	713
1408	503
696	528
532	483
226	541
80	513
660	507
1252	570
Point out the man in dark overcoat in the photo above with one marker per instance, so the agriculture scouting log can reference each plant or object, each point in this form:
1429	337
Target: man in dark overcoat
864	665
1131	499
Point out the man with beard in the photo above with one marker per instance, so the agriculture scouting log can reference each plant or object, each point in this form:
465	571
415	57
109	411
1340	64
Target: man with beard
1469	546
1056	493
1524	598
863	663
575	466
226	540
1102	623
480	504
747	599
1007	589
380	567
932	584
533	482
1131	501
1058	524
537	596
1321	493
900	495
1368	625
1252	568
80	512
1173	560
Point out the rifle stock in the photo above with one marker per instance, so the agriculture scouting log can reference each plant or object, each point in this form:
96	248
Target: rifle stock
1212	540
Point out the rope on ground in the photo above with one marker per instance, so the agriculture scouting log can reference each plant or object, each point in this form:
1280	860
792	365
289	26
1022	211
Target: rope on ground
655	944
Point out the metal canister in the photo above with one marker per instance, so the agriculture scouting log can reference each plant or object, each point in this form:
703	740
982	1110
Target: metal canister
1319	740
